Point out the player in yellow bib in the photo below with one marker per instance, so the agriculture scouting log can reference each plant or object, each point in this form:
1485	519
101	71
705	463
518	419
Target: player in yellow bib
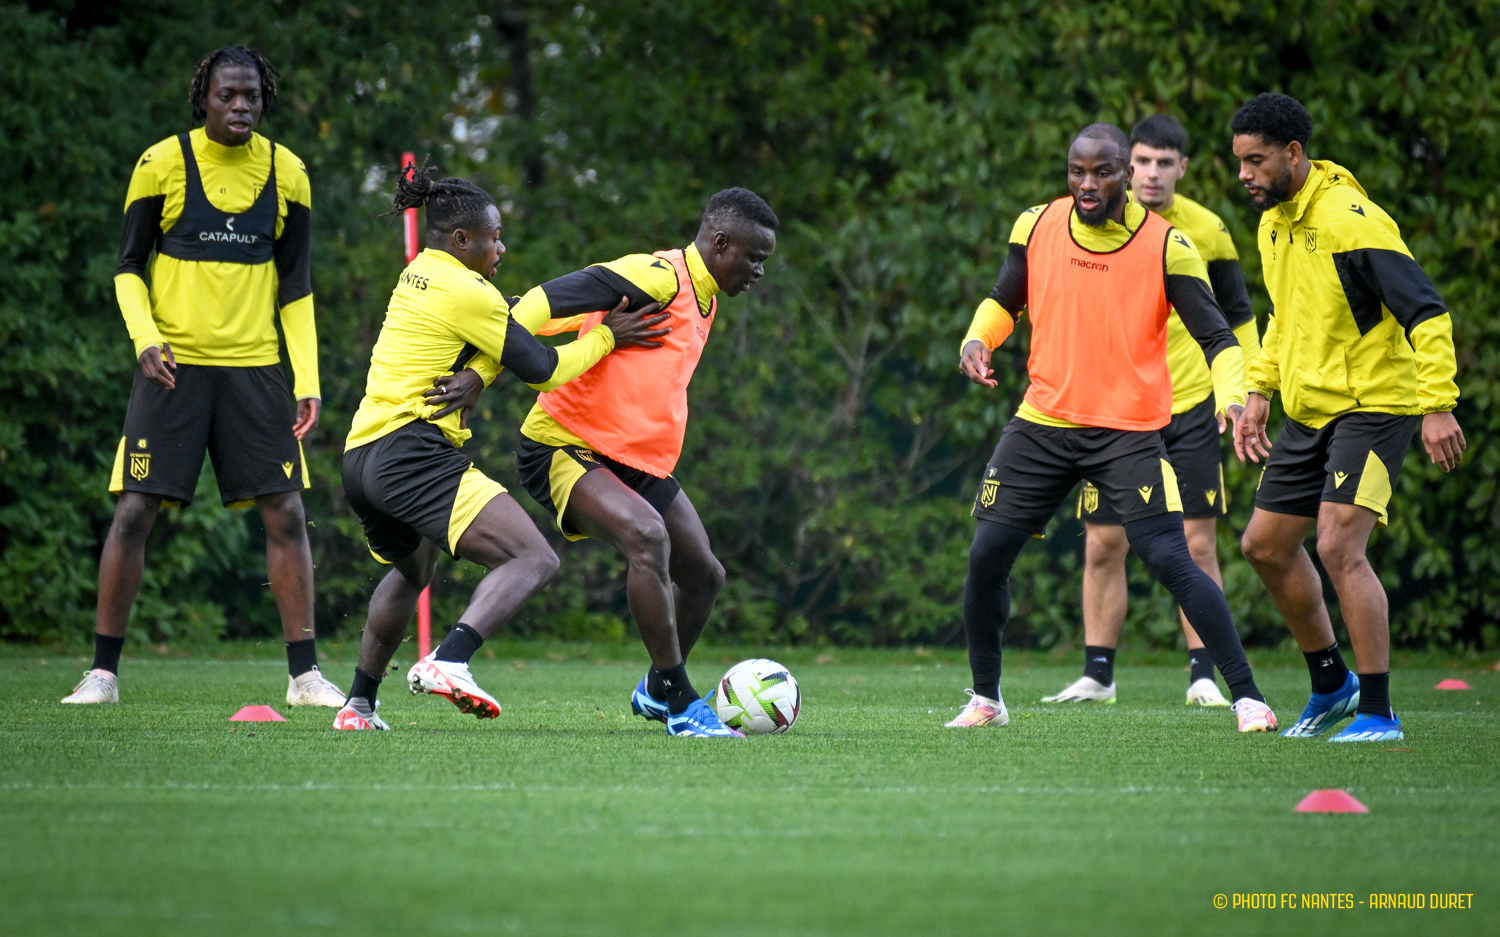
1158	154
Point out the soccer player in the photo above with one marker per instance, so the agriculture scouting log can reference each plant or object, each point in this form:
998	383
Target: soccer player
1100	275
1158	155
228	216
404	476
1360	345
598	453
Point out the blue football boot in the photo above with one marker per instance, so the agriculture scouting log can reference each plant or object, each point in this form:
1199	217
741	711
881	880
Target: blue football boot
1369	728
702	722
646	706
1324	710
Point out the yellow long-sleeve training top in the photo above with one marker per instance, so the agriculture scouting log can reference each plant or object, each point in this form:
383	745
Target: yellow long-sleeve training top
1356	324
444	317
215	311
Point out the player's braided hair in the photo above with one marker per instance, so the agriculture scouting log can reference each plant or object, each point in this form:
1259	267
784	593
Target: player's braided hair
233	55
1276	118
450	203
742	204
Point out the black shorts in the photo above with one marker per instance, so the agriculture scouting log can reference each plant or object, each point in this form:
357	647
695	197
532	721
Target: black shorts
1353	459
1035	467
549	473
242	417
411	484
1192	441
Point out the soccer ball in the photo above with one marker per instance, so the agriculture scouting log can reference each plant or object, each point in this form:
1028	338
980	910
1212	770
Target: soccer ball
758	697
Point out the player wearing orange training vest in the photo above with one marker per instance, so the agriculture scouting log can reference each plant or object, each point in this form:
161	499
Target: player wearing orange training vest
1100	276
599	452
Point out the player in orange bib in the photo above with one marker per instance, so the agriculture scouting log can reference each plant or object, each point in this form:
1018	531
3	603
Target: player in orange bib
1100	276
599	452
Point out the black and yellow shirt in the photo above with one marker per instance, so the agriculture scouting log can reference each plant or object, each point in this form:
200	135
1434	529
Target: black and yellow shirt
642	278
1191	381
217	311
1187	286
442	318
1356	324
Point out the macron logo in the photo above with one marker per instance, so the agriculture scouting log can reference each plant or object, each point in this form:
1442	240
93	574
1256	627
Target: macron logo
1089	264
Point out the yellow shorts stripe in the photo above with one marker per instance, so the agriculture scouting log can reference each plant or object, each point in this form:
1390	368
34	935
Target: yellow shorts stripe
117	474
562	476
475	490
1374	491
1169	487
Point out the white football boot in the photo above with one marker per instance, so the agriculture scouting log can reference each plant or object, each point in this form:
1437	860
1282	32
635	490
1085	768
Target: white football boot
1253	715
453	680
979	711
1084	690
97	686
313	689
1205	692
357	714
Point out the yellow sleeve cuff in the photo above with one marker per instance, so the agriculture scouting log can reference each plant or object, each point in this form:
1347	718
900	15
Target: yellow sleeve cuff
991	325
1249	338
485	366
577	357
1228	370
134	298
1437	367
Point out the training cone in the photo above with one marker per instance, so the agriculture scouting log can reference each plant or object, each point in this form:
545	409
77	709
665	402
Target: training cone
1331	802
1452	685
257	714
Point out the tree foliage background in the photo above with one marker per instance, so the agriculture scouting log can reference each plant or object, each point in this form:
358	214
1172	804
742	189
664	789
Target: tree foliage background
833	448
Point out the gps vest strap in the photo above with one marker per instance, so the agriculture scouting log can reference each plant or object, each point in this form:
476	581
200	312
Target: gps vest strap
632	406
204	232
1099	325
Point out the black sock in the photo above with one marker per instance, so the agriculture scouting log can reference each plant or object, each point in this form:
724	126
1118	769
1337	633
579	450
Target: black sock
1201	663
1162	546
654	687
365	685
107	652
987	599
677	689
301	656
460	644
1375	694
1327	668
1099	663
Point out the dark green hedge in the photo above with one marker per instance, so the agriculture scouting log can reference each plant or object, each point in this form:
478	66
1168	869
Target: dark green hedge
833	447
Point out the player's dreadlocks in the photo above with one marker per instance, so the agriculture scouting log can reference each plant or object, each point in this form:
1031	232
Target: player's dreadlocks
451	203
233	55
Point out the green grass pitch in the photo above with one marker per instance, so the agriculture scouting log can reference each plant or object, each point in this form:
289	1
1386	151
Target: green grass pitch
569	816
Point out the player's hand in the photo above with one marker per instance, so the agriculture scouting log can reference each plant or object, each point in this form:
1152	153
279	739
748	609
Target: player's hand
157	364
638	327
1443	440
455	392
1231	414
308	409
974	363
1250	439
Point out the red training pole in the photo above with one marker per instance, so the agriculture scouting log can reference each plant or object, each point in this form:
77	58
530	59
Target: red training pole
424	601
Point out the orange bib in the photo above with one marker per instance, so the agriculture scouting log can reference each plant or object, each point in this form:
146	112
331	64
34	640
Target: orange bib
1098	325
632	406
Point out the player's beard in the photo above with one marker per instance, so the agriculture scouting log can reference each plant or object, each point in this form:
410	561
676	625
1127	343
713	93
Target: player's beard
1102	214
1275	192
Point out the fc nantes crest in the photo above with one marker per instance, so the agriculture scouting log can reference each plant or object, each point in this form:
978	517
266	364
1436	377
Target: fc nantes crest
1090	498
988	493
140	465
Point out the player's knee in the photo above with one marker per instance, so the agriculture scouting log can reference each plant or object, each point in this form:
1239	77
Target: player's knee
134	519
645	540
284	519
1340	554
1262	551
545	560
1105	547
708	577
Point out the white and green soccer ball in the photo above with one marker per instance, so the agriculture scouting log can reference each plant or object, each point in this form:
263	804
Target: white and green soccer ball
758	697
